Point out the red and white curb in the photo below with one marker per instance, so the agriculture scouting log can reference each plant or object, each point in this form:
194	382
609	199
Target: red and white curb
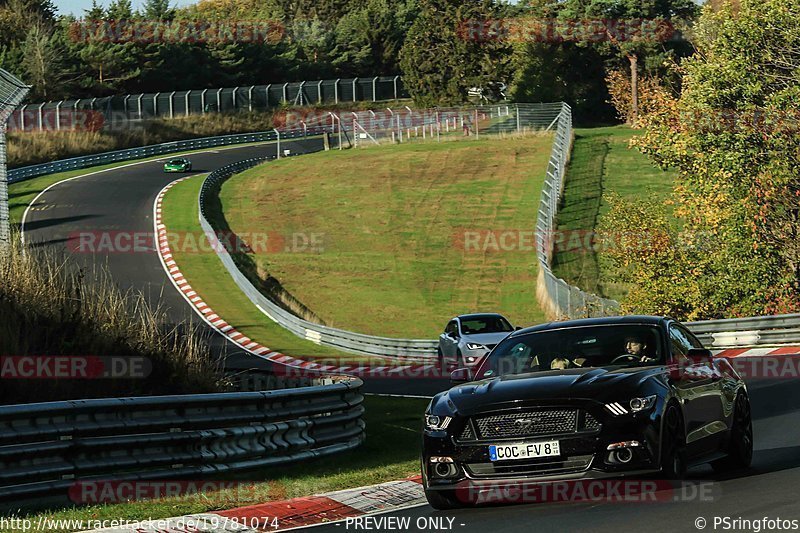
295	513
255	348
773	351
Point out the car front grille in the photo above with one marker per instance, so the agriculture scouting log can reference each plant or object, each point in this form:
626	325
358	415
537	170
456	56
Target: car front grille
529	423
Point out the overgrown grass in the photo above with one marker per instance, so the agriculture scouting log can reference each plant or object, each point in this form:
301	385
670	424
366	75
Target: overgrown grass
391	222
50	307
29	148
601	163
391	452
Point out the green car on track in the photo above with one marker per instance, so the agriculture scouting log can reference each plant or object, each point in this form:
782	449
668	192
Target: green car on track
180	164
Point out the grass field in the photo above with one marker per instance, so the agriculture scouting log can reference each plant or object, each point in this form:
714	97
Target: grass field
208	277
391	256
391	452
602	163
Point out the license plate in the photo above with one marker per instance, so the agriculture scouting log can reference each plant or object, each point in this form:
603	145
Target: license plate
513	452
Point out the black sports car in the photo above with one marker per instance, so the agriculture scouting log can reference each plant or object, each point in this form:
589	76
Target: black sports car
585	399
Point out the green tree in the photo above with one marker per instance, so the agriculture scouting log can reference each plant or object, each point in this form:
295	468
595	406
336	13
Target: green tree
733	136
442	59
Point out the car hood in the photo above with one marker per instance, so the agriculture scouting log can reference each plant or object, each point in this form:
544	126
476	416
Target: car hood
486	338
597	384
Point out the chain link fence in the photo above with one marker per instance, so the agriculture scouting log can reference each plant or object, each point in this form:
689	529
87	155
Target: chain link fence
558	298
93	114
12	92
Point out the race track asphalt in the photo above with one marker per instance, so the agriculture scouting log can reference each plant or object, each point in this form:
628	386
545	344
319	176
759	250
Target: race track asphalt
121	200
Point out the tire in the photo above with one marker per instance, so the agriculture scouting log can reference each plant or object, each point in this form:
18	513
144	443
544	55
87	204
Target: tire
442	500
673	448
740	443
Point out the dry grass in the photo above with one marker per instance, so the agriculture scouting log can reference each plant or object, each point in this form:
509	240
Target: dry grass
50	307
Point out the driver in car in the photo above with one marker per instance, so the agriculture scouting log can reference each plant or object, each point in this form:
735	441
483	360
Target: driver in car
636	347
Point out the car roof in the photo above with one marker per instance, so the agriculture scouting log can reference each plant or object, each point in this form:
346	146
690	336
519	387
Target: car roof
478	315
602	321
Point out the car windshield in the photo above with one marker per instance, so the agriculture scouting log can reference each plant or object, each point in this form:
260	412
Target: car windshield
476	325
176	162
577	347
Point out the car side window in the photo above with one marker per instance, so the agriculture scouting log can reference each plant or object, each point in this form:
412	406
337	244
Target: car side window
679	343
693	342
451	329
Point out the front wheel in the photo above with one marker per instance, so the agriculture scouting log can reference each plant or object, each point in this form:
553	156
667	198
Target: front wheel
740	445
673	450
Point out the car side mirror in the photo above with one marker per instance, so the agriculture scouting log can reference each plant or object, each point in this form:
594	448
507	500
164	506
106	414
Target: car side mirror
460	375
700	356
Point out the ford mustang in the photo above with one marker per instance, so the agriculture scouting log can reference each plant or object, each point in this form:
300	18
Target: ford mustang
585	399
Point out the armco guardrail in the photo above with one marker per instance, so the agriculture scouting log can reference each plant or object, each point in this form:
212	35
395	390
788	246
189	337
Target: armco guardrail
55	446
753	331
558	298
77	163
344	340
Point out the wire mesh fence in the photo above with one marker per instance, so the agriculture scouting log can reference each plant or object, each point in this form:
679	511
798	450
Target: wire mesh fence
559	298
12	92
92	114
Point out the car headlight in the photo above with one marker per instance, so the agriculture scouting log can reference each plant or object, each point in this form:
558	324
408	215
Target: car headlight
642	404
437	423
474	346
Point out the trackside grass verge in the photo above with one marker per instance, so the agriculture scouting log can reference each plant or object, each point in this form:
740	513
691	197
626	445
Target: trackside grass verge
395	240
391	452
50	307
208	277
601	163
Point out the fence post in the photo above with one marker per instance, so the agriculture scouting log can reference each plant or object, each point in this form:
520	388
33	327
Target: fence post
519	123
58	115
266	94
219	100
285	95
375	89
186	102
319	92
203	101
22	118
250	97
124	105
394	82
279	141
41	117
139	103
336	91
155	105
233	97
172	104
75	114
355	80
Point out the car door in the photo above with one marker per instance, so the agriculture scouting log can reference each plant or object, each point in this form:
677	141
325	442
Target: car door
699	388
448	339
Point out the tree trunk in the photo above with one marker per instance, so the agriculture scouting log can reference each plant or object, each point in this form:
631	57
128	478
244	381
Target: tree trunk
634	88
